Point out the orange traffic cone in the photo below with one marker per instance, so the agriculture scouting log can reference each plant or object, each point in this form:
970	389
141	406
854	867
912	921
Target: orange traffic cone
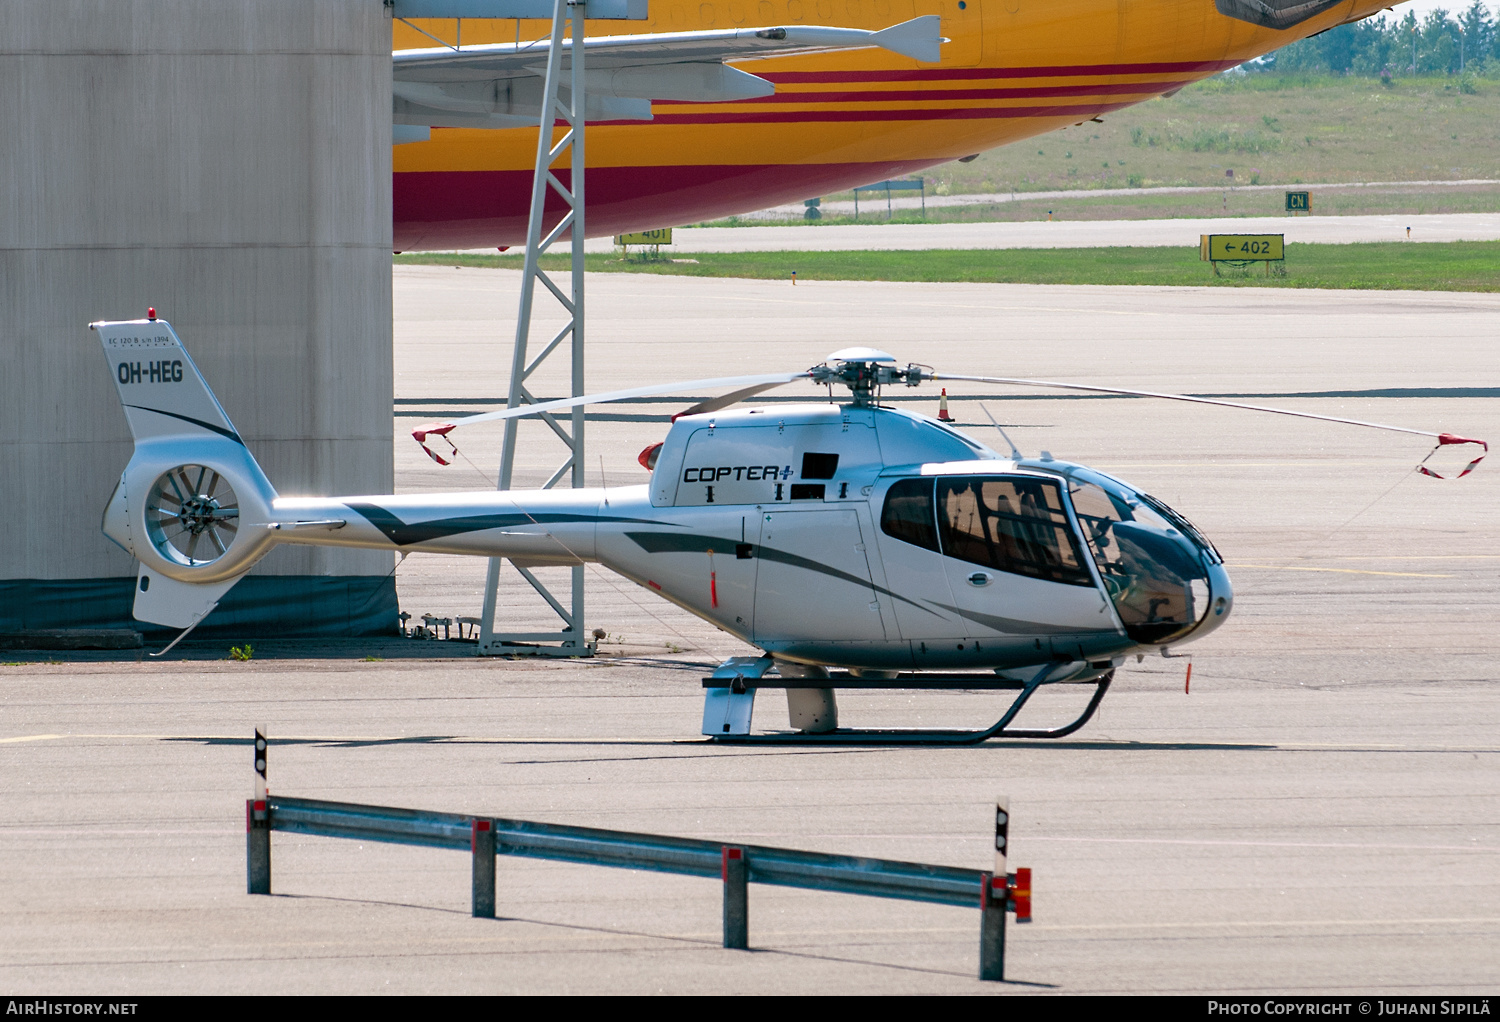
943	415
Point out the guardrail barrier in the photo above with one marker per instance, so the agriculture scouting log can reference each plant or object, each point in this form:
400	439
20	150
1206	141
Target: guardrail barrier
736	865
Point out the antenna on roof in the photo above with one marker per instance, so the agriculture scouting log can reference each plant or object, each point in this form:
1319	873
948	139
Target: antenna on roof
1014	453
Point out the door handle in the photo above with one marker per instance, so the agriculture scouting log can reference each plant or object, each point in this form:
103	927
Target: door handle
980	578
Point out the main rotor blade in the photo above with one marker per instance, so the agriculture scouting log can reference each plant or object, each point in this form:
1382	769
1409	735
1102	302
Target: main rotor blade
753	384
1443	438
734	397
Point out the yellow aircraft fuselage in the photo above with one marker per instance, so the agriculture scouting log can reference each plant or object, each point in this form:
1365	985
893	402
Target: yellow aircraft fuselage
1012	69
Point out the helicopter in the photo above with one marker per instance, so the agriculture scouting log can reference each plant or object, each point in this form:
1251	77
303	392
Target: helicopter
856	544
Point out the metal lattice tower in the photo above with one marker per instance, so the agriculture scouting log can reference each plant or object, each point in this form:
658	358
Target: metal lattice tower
570	638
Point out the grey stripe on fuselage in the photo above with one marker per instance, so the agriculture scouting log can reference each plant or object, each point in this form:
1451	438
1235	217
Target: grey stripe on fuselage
407	534
658	542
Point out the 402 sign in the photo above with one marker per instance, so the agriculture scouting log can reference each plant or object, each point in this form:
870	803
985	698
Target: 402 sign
1242	247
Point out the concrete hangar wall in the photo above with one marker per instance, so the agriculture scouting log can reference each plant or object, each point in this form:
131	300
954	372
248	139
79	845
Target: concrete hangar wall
229	164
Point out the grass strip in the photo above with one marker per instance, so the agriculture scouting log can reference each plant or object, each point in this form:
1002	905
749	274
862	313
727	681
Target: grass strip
1161	204
1429	266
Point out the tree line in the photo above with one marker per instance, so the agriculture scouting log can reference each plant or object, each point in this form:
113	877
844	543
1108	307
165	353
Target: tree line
1439	44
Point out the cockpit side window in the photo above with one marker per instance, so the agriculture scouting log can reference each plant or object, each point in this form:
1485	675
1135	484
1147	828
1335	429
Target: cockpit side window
1098	512
908	515
1018	525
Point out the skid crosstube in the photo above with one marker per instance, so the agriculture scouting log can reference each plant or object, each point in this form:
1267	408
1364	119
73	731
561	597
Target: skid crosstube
911	736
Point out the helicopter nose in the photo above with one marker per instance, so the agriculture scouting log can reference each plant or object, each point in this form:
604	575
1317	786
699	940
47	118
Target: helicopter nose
1220	602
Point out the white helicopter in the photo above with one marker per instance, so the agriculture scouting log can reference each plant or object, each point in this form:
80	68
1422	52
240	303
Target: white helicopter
858	546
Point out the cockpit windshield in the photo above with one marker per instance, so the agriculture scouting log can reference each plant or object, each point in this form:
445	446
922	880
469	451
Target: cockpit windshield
1159	571
1153	561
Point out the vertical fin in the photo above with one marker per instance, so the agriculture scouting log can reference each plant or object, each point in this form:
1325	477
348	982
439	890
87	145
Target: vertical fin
163	393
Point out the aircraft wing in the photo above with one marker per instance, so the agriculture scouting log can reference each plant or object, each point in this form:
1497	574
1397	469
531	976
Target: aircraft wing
498	85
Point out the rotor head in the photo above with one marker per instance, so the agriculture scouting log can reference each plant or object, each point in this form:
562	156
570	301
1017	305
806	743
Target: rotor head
864	371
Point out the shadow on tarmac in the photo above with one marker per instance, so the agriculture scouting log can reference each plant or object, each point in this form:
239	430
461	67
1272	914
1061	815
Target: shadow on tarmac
740	751
699	942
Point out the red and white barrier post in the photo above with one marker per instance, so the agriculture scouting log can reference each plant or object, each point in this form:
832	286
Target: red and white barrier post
1002	892
258	824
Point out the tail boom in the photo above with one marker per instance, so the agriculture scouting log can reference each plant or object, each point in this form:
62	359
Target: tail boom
534	526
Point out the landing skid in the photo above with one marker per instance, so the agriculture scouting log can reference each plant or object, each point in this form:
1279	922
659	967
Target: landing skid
730	694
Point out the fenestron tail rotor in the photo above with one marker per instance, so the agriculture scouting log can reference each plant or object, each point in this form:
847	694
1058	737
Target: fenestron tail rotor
192	515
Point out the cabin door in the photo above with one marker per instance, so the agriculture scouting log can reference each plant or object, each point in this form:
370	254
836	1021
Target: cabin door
813	578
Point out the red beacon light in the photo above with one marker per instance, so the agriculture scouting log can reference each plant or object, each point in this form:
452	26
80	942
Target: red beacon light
648	457
151	314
